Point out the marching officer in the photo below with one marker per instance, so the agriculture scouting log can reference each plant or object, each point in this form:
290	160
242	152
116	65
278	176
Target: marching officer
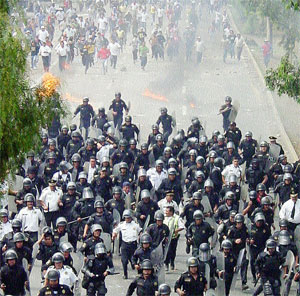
191	207
268	268
205	257
167	122
86	114
52	286
143	252
238	235
146	207
100	119
147	283
191	282
95	271
223	211
260	233
88	247
158	231
117	202
130	231
21	250
247	148
101	217
230	263
13	278
117	106
225	110
198	232
129	130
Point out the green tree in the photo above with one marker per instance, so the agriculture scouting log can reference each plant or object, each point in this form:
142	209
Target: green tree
24	110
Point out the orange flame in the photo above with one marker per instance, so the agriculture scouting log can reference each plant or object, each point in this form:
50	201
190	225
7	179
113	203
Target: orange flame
192	105
50	83
70	98
148	93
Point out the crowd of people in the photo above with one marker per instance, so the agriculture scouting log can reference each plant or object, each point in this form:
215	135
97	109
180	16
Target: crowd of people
92	192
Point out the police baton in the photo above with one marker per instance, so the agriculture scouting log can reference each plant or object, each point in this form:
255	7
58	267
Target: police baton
78	221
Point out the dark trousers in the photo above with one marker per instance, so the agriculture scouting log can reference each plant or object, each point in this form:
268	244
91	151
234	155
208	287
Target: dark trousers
199	57
127	251
172	251
113	61
51	218
118	121
143	62
33	237
62	62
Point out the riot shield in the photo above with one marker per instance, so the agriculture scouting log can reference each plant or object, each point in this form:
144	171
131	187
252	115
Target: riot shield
116	169
274	151
157	259
207	274
127	199
106	240
146	224
234	111
137	195
64	238
289	263
95	132
25	266
74	174
116	216
297	238
151	159
110	116
12	207
206	204
210	292
15	183
237	268
183	175
221	267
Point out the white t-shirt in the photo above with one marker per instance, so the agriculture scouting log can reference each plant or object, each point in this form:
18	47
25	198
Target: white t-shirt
114	48
43	35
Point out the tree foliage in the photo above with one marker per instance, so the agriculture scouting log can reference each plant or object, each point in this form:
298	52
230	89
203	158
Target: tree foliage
24	109
285	79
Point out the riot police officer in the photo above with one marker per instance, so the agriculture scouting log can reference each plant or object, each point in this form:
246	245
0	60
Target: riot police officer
191	282
167	122
146	284
63	139
73	145
143	252
198	232
117	106
101	216
158	231
100	119
53	287
205	257
117	202
223	211
22	251
95	271
268	268
259	234
129	130
86	114
146	207
247	148
13	276
191	207
88	247
238	234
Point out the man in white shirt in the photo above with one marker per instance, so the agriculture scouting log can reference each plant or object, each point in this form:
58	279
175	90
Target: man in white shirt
5	226
31	217
62	51
102	23
91	169
60	16
199	49
45	52
43	34
114	48
67	275
290	210
230	169
50	200
168	202
174	222
157	174
130	231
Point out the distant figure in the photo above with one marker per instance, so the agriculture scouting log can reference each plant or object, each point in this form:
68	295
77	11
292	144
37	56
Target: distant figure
266	48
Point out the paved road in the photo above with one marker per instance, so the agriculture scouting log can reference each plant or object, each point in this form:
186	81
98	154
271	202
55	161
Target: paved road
184	88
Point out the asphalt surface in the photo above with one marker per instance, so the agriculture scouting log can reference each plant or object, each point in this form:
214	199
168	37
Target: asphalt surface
187	90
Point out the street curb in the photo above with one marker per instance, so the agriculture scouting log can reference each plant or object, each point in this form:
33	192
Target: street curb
284	136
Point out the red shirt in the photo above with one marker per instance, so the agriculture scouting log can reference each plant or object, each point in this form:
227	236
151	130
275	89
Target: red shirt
103	53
